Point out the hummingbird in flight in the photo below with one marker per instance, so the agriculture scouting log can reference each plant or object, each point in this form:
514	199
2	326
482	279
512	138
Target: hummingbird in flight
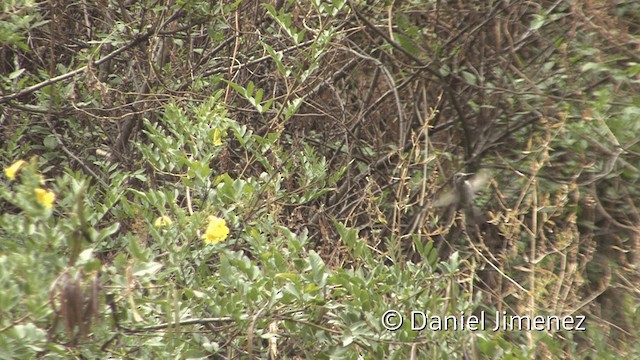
461	196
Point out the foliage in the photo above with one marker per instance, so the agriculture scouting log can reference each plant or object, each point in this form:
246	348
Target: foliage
261	179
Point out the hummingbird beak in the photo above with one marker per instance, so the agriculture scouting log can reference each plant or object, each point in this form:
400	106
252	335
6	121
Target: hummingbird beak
458	177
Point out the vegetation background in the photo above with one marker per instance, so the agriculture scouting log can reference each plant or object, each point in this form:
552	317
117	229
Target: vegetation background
319	135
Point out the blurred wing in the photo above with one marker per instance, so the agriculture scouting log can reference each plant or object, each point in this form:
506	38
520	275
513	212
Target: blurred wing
446	199
479	181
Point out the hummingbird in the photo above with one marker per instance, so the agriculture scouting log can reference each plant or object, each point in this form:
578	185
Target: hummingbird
462	195
478	229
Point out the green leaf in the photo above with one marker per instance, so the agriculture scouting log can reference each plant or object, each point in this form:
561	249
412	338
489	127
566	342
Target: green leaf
317	265
50	142
406	43
106	232
469	77
145	270
537	22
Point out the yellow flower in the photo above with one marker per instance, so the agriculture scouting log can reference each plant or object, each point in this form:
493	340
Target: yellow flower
46	198
217	230
217	137
13	169
162	221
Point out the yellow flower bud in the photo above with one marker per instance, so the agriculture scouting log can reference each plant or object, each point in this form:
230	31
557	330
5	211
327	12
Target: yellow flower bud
162	221
217	137
13	169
